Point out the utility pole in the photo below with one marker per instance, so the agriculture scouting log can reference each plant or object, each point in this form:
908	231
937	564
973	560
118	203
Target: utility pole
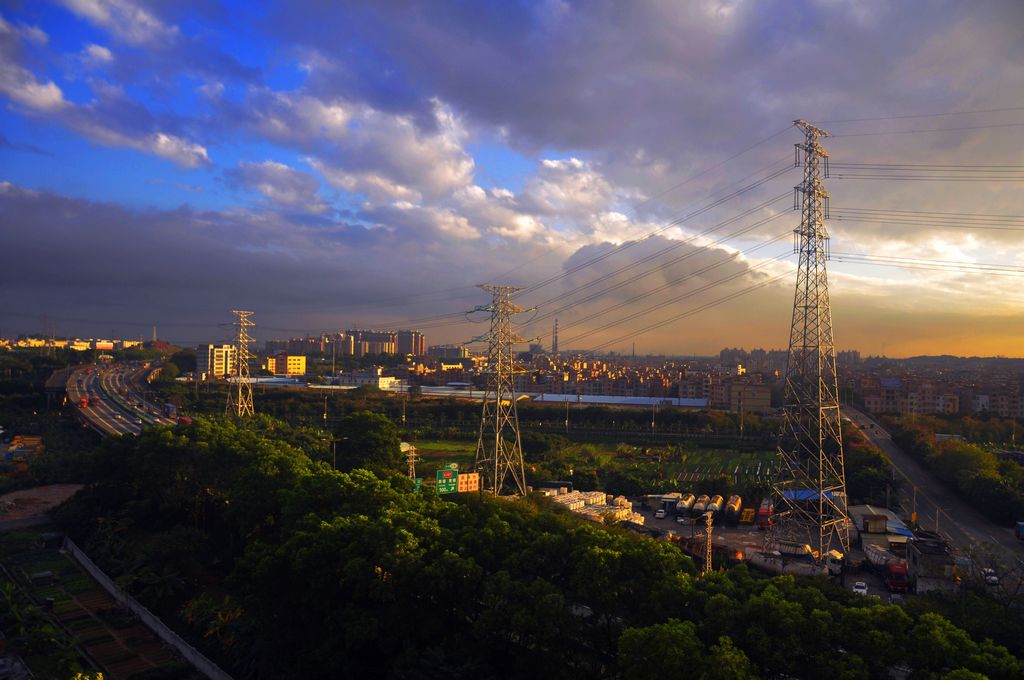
242	404
497	458
810	481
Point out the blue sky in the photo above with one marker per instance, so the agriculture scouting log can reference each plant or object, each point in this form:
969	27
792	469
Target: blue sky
341	164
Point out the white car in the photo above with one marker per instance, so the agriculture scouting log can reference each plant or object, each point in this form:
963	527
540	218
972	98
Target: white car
860	588
659	513
990	576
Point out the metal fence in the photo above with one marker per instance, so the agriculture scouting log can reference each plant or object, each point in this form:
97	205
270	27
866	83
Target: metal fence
187	651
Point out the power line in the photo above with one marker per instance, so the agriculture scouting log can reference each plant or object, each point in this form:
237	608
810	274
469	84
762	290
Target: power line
921	115
635	209
591	316
933	265
677	298
632	243
917	132
664	251
678	317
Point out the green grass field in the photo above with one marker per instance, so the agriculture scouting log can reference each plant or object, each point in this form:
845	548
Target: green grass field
435	453
694	466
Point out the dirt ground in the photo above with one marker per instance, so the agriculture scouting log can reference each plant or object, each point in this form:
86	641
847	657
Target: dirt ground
34	502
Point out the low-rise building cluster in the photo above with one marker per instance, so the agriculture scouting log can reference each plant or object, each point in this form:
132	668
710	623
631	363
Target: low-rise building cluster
594	505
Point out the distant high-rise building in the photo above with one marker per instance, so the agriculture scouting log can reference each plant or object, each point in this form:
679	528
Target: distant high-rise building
447	352
411	342
215	361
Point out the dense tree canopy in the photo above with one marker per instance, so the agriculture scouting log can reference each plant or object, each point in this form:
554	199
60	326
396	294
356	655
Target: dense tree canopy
279	566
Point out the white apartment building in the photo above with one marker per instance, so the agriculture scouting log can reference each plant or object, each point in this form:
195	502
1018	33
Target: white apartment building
215	361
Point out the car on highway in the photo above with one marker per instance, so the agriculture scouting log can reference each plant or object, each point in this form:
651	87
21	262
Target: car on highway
860	588
659	513
990	576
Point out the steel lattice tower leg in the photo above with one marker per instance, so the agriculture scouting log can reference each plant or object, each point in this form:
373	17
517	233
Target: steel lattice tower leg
499	459
242	404
810	481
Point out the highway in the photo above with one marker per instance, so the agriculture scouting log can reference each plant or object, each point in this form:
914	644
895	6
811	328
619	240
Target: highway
116	403
938	507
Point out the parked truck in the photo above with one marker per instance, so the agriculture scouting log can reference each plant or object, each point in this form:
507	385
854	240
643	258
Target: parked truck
700	505
764	514
891	568
733	508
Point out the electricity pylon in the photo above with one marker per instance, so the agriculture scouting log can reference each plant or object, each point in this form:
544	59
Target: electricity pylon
498	458
810	482
241	404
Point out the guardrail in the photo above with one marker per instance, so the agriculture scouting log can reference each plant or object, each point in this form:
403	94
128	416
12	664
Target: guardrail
187	651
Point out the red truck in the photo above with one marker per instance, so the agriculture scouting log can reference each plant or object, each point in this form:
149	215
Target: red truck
83	402
764	514
896	577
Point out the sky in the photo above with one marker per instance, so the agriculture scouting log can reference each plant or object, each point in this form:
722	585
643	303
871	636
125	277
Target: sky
629	166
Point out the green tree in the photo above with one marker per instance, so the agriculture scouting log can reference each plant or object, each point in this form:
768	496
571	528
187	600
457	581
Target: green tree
665	650
370	440
169	371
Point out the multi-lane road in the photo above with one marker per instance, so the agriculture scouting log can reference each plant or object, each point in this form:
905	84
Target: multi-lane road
113	398
937	507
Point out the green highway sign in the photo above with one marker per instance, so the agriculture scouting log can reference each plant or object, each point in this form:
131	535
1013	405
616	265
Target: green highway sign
417	484
448	479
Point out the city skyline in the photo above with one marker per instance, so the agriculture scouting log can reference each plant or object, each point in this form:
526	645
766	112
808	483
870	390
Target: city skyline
164	164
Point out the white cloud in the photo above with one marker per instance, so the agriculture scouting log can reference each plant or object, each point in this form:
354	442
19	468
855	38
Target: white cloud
281	184
94	56
184	153
126	20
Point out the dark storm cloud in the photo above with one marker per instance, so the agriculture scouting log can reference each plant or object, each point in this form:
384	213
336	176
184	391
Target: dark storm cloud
667	77
79	259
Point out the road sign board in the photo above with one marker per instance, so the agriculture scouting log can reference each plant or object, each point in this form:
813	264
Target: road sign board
447	481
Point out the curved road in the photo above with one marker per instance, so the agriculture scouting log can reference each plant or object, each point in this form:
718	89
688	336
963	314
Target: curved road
128	413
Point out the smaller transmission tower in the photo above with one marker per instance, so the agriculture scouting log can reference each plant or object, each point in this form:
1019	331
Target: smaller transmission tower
497	457
707	543
810	481
241	403
410	458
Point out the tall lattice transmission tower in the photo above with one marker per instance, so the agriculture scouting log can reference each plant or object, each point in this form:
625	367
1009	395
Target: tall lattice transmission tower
810	482
240	403
499	451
